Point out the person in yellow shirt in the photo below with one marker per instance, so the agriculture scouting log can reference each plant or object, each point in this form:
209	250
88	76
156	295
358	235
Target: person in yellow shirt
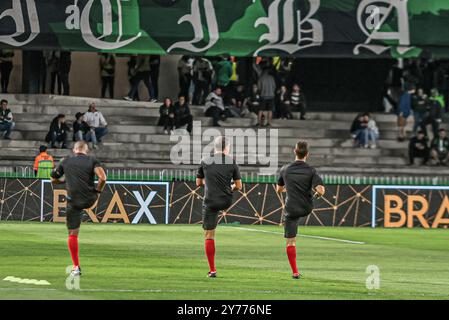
43	164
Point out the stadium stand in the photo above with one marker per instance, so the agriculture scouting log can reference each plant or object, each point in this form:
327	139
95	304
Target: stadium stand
134	140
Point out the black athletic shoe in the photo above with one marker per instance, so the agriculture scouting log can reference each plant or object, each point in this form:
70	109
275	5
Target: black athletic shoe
296	276
212	274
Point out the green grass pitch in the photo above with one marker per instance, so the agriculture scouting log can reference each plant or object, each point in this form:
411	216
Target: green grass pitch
167	262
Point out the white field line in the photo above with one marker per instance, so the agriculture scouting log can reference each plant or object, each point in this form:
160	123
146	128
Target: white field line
299	293
301	235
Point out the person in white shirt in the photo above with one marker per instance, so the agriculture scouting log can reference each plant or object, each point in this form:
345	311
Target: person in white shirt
97	124
373	133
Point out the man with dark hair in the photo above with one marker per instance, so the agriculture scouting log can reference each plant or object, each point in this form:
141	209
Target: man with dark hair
439	148
79	171
6	119
300	181
43	164
58	132
419	148
80	128
215	174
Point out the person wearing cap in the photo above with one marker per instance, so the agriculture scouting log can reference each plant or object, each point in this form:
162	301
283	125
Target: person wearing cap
419	148
439	148
80	128
43	164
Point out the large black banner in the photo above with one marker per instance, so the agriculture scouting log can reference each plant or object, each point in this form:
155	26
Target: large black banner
180	203
350	28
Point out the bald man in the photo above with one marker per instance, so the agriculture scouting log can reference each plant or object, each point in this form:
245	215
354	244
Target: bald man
220	176
79	171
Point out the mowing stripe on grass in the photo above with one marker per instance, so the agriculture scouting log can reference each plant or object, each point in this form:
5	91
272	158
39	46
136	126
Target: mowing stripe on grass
302	235
360	294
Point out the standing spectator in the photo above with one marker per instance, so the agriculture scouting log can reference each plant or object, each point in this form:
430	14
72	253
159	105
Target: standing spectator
298	101
131	73
419	105
167	117
6	66
224	74
182	114
52	61
107	66
97	124
254	100
184	75
436	108
155	63
238	107
267	86
80	128
356	126
419	148
58	132
439	148
283	103
6	120
65	64
404	110
142	72
214	107
202	77
43	164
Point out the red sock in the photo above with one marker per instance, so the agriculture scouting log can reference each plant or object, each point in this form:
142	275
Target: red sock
291	254
209	246
73	248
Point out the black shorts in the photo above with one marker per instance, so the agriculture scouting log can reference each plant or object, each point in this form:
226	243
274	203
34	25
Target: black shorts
291	223
266	105
210	218
291	227
74	214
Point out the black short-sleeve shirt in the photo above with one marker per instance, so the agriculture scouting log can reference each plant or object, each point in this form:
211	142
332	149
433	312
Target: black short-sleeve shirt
79	177
218	171
299	178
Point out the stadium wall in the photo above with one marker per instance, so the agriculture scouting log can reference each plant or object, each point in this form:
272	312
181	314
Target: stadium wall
180	203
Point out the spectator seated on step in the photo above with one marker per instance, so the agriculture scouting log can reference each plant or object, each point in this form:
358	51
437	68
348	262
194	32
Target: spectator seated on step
58	133
182	114
80	128
372	132
97	124
419	148
359	130
283	103
167	116
214	107
439	148
238	106
43	164
6	120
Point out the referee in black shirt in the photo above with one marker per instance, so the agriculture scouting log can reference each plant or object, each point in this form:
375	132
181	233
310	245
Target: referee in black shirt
220	176
79	171
302	183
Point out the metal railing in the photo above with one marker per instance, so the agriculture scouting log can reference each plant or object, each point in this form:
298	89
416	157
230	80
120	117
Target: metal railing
247	177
